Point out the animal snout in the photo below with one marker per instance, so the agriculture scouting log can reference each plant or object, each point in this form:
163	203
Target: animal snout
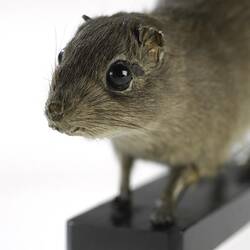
54	111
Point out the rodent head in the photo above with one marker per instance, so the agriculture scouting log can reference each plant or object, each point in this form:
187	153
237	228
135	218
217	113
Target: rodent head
103	85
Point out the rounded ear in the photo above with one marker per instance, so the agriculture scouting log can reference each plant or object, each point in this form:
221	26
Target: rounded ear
151	41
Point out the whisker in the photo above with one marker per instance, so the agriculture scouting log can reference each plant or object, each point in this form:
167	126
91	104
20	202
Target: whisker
55	56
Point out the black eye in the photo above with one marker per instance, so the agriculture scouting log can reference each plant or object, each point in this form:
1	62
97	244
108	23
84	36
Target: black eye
119	76
60	56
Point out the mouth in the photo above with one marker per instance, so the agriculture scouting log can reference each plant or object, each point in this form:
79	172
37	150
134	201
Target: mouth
68	130
74	130
53	126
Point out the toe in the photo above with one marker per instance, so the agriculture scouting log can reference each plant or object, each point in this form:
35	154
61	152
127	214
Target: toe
121	211
161	219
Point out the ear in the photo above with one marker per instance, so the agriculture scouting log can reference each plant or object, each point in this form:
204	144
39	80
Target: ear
151	42
86	18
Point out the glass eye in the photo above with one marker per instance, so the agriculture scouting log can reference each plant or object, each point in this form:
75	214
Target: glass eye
60	56
119	76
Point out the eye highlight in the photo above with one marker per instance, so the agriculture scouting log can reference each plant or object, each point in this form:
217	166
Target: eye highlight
60	56
119	76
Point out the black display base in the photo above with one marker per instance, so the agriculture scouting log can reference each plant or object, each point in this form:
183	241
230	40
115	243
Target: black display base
208	214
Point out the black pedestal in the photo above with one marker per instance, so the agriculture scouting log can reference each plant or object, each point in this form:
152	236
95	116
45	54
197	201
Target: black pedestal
209	213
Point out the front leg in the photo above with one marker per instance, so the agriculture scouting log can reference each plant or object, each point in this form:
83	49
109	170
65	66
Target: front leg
122	203
126	168
179	180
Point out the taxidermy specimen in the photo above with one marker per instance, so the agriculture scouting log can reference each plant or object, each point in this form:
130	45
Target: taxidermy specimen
171	86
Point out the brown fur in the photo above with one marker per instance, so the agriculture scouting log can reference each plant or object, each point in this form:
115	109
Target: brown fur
191	104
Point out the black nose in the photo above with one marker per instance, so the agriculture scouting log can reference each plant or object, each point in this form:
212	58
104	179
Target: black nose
55	111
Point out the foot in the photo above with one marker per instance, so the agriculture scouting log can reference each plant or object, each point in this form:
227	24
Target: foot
162	217
121	210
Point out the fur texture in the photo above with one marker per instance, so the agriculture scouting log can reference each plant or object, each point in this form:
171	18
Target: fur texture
191	103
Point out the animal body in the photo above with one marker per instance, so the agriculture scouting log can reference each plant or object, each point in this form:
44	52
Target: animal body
171	86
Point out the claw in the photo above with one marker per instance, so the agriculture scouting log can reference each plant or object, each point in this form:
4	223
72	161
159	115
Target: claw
161	218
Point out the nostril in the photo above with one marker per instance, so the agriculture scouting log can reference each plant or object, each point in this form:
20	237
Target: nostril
55	111
55	108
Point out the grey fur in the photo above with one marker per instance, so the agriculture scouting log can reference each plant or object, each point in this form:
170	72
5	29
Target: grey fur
186	110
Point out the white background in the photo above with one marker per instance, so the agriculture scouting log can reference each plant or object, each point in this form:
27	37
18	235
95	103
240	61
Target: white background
46	177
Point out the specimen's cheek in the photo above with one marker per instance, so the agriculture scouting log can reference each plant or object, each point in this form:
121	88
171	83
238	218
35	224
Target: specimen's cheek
137	85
